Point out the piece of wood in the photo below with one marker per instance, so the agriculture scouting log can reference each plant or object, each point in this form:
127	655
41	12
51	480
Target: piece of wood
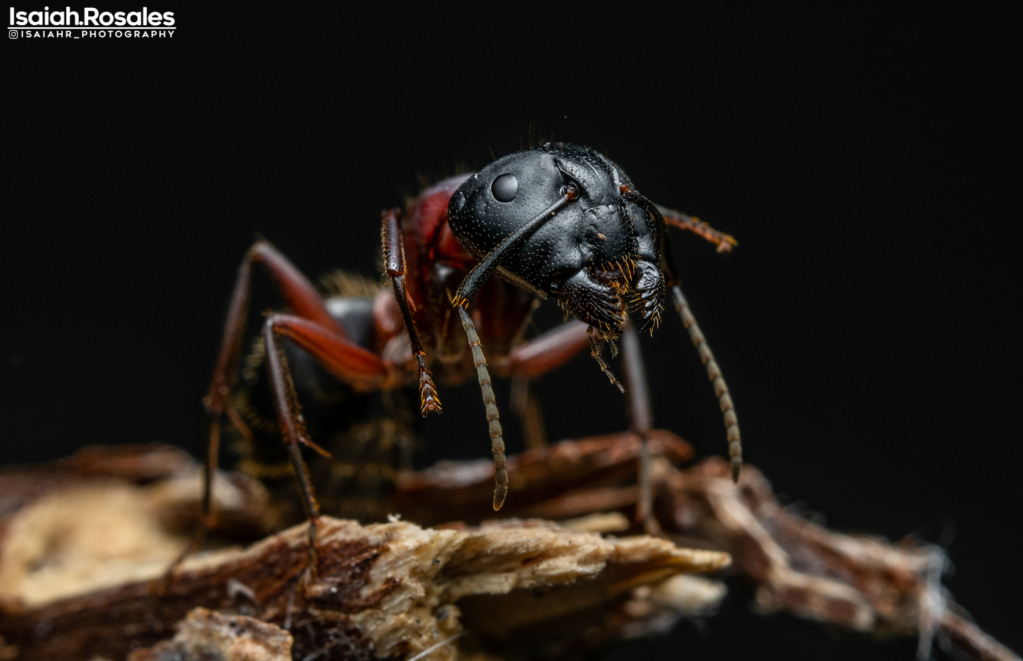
49	551
385	590
206	634
857	582
457	491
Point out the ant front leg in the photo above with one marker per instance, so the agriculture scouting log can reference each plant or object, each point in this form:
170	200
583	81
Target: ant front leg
640	422
394	263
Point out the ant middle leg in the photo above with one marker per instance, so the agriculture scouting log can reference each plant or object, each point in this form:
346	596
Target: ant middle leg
293	432
303	299
349	362
534	358
526	405
555	347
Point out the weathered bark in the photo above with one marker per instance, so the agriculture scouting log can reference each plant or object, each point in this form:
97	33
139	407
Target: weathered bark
47	553
382	591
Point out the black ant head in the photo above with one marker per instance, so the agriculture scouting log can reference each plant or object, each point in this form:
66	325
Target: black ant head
564	221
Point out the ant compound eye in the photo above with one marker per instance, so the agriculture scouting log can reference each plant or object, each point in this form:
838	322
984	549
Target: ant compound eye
570	190
505	187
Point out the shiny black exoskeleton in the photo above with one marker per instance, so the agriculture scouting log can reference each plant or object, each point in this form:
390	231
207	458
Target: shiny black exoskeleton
559	220
565	221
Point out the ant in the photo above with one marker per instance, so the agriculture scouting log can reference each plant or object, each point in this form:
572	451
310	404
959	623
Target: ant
556	221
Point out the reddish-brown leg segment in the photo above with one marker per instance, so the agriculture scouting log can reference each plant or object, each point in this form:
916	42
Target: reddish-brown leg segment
310	326
531	359
339	356
359	368
526	405
724	242
394	263
552	349
640	421
548	351
293	431
300	296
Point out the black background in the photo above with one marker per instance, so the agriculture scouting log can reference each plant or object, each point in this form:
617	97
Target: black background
866	159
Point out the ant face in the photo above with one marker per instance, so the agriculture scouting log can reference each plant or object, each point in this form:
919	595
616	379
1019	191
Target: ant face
593	253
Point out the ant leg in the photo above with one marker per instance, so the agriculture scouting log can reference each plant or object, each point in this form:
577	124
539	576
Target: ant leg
394	262
350	363
536	357
724	242
293	430
300	296
548	351
640	422
526	405
298	293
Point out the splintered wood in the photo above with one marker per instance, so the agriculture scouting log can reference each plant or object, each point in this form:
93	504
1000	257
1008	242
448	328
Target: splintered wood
385	590
207	634
81	542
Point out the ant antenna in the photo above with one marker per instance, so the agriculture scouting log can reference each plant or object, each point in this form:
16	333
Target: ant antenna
493	418
714	374
466	291
700	342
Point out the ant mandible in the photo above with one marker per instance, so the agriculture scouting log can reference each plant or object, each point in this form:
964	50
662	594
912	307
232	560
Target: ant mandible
557	221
